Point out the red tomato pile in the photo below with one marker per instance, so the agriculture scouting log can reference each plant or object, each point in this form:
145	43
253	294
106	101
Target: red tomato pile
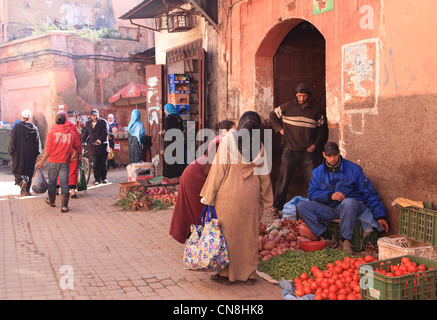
339	281
405	267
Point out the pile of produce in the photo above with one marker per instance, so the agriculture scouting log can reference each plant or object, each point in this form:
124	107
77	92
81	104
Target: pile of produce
280	236
158	198
292	264
327	274
338	280
397	270
163	194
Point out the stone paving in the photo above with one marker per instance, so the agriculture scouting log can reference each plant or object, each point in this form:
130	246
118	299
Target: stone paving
99	252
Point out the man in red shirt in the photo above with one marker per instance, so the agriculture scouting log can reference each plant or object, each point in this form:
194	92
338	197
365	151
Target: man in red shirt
62	146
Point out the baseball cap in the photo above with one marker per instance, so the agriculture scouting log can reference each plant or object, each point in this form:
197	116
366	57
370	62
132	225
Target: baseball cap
94	111
26	114
331	148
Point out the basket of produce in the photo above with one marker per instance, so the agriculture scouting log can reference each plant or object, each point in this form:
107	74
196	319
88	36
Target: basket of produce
401	278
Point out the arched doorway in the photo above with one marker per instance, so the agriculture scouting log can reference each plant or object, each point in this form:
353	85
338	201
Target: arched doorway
299	58
292	52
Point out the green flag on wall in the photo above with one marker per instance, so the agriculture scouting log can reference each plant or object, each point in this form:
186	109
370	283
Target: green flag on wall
322	6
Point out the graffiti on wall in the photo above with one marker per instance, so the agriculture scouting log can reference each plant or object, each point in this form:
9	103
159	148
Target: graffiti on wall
360	79
322	6
153	100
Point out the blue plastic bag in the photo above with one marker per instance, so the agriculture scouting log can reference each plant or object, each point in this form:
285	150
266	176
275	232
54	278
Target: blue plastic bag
289	211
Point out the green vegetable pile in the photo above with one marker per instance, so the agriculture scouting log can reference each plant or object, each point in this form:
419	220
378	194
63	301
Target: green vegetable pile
291	264
136	202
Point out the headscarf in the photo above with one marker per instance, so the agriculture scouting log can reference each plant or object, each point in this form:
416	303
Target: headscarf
171	109
111	118
26	114
250	120
136	127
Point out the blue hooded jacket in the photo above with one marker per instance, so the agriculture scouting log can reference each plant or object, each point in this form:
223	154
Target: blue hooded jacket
348	179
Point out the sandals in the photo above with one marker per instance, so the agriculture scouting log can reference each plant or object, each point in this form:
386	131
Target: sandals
276	214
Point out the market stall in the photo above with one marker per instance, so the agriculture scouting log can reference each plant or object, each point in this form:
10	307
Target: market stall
130	97
398	267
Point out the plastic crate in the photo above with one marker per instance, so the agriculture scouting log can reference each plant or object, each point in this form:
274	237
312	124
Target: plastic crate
396	246
178	78
415	286
359	240
419	224
179	89
182	108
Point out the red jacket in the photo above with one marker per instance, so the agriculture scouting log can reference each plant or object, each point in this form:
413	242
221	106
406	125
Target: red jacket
61	142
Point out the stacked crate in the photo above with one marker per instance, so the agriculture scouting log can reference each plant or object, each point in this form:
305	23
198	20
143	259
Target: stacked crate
417	240
179	93
417	234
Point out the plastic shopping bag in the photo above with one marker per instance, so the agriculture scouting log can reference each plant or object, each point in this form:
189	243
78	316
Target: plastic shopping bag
39	184
206	249
81	182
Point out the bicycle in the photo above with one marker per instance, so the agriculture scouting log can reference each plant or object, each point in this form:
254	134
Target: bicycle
86	162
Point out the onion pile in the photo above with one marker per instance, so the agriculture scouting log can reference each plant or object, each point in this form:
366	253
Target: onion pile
167	196
279	236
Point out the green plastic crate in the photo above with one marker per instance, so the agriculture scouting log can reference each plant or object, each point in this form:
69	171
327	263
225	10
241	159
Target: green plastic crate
358	241
415	286
419	224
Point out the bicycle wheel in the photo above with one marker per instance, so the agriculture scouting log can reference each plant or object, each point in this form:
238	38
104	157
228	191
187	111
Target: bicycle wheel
86	165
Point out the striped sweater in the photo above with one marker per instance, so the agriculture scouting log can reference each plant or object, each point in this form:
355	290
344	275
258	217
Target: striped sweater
303	126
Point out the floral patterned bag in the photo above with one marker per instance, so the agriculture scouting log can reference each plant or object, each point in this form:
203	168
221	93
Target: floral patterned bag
206	249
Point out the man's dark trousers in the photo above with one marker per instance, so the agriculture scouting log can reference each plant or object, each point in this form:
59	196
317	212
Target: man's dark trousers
100	167
290	160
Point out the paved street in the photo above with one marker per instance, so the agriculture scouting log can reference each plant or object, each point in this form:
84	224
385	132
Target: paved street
98	252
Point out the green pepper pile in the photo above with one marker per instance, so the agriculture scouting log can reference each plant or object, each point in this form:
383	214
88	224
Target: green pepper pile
293	263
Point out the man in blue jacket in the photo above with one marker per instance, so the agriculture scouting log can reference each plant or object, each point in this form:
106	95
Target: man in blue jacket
339	190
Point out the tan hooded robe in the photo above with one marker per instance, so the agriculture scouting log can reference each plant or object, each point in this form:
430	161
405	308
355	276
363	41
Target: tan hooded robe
239	195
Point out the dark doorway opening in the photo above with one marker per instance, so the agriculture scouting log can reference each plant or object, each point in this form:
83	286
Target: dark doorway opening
299	58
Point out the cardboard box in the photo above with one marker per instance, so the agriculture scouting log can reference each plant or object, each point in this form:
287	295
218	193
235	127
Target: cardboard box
140	171
127	188
180	89
183	98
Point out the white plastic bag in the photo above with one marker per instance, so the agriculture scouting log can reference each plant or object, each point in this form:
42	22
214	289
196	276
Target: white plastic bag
39	184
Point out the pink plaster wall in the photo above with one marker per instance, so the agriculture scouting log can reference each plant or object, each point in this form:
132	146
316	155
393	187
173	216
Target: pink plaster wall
40	83
380	81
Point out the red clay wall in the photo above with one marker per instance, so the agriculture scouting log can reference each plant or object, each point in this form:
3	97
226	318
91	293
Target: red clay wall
381	88
40	82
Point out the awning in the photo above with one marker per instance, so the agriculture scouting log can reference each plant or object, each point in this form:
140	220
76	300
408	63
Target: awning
151	9
132	94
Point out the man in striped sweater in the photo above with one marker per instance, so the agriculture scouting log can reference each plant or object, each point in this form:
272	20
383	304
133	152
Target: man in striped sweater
303	127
